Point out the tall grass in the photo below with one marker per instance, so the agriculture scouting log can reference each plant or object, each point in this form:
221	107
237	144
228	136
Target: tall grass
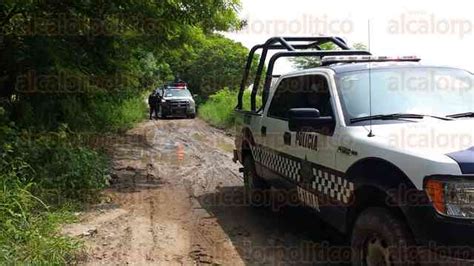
118	114
218	110
92	113
41	176
28	229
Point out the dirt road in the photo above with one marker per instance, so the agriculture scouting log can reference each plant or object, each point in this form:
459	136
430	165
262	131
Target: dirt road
177	199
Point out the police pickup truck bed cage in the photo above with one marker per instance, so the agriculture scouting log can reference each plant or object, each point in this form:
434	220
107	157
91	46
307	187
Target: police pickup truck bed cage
292	47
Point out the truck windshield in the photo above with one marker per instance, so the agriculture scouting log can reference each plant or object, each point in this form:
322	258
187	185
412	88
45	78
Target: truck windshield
415	90
177	93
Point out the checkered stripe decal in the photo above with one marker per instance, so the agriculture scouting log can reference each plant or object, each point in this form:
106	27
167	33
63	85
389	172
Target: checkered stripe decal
331	185
325	183
280	164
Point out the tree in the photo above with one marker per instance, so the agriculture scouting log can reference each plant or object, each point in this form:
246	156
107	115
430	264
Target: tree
312	62
217	63
52	51
360	46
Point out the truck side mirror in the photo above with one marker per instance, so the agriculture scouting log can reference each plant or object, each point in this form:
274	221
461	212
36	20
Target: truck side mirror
308	120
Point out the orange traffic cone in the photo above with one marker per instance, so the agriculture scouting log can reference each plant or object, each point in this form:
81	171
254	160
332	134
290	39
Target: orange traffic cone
180	152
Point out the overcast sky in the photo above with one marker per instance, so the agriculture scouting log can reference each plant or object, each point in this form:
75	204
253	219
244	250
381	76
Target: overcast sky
440	32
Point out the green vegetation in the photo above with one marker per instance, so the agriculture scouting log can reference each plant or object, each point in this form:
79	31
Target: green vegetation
71	69
100	113
218	63
312	62
219	109
42	176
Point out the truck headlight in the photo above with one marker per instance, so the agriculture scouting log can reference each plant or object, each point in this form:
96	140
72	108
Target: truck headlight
453	198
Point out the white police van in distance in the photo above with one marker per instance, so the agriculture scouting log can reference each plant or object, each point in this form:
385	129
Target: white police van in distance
381	148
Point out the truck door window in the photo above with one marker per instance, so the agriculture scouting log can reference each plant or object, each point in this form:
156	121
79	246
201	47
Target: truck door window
310	91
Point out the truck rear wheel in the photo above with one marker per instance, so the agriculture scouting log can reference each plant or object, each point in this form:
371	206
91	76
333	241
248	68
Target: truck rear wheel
380	238
255	188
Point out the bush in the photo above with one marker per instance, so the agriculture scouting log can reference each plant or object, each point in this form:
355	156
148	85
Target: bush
28	230
218	110
118	114
41	175
64	170
45	167
98	113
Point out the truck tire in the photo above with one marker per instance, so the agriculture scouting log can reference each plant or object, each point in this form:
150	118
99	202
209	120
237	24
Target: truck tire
380	238
192	116
255	188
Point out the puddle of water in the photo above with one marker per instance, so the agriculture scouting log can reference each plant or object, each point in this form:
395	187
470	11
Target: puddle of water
169	146
173	153
199	137
224	146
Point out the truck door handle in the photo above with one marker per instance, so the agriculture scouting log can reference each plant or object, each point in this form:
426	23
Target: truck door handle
287	138
263	130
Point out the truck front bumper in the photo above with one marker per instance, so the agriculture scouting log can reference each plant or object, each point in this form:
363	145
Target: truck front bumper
177	110
444	239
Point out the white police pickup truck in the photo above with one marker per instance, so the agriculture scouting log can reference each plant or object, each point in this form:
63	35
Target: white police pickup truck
381	148
176	100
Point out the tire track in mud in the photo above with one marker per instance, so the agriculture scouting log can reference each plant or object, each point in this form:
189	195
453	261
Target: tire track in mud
199	171
188	209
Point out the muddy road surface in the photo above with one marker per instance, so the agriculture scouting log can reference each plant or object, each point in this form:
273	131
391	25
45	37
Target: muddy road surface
176	198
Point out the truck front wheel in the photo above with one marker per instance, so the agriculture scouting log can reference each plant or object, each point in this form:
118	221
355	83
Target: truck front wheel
255	188
380	238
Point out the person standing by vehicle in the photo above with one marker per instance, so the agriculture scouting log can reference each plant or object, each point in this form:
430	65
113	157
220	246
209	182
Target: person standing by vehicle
153	104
